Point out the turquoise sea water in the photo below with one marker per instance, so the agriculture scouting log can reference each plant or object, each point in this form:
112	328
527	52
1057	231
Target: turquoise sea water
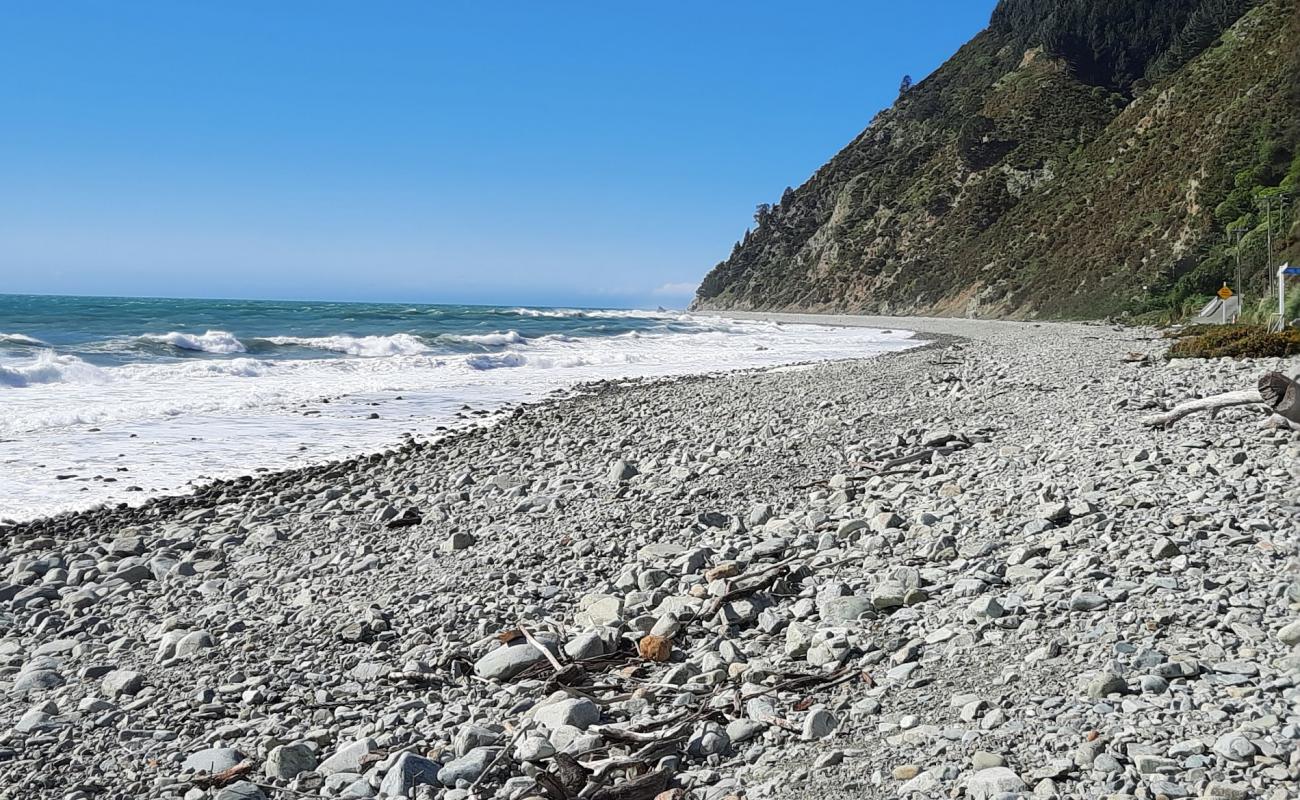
111	331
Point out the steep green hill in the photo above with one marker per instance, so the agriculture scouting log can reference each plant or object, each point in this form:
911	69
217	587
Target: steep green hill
1078	158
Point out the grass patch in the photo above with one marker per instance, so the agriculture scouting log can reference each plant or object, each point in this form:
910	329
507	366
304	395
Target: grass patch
1234	341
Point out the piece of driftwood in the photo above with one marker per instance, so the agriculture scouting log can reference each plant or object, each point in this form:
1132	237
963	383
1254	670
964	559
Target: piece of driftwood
550	786
1282	394
571	772
1277	392
532	640
502	753
642	758
652	731
218	779
642	788
1246	397
758	581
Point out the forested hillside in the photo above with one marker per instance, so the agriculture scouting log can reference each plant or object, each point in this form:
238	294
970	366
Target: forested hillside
1078	158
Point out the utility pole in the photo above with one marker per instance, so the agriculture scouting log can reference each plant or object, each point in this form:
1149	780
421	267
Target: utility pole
1281	285
1268	253
1237	233
1281	219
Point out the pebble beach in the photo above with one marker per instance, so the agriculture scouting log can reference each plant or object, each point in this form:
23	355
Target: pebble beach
964	570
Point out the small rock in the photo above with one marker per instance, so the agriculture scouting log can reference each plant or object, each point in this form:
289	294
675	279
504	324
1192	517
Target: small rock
743	729
508	660
845	609
1220	790
708	739
36	680
819	724
240	790
460	540
213	759
588	644
468	767
1086	601
348	758
534	748
982	759
985	607
621	471
1105	684
410	771
577	712
122	682
888	595
289	760
654	648
599	610
1165	548
1235	747
1290	634
193	642
987	784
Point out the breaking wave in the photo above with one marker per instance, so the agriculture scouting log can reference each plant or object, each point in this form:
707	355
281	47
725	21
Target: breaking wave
234	368
21	338
398	344
566	313
219	342
489	339
49	367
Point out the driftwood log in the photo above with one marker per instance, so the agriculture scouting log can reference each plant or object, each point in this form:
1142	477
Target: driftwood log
1275	391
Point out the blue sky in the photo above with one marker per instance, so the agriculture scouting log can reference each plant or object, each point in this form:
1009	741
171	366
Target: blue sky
500	152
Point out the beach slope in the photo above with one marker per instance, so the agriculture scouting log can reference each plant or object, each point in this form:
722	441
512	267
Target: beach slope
961	570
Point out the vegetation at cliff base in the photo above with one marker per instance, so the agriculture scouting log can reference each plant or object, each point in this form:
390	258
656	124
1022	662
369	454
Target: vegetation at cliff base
1235	341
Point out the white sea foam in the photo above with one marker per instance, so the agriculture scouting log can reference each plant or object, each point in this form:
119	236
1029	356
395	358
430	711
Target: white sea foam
49	367
232	368
367	346
614	313
627	313
552	313
21	338
221	342
497	361
487	339
169	422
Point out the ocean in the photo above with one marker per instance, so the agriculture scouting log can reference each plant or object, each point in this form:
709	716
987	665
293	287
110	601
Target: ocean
111	400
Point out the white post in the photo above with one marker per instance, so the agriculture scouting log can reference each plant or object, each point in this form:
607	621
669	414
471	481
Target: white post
1223	308
1281	295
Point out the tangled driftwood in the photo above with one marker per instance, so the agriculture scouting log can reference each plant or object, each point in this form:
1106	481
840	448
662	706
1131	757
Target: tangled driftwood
1277	392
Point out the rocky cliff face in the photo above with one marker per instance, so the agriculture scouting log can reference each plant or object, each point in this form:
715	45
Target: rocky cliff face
1076	159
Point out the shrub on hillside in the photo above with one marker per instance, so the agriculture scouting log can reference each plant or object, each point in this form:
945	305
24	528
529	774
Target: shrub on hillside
1234	341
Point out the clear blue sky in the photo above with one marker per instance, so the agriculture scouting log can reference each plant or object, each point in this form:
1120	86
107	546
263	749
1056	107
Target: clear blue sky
514	152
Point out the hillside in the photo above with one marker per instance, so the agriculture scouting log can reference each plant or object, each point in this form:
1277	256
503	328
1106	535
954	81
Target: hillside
1078	158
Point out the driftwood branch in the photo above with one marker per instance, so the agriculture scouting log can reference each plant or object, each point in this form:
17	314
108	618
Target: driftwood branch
539	647
1247	397
1277	392
502	753
644	733
758	581
1282	394
223	777
642	788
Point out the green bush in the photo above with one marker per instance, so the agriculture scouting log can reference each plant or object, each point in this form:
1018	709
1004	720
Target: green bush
1234	341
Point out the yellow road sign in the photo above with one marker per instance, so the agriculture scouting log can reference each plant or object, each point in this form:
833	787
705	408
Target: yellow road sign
1225	292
